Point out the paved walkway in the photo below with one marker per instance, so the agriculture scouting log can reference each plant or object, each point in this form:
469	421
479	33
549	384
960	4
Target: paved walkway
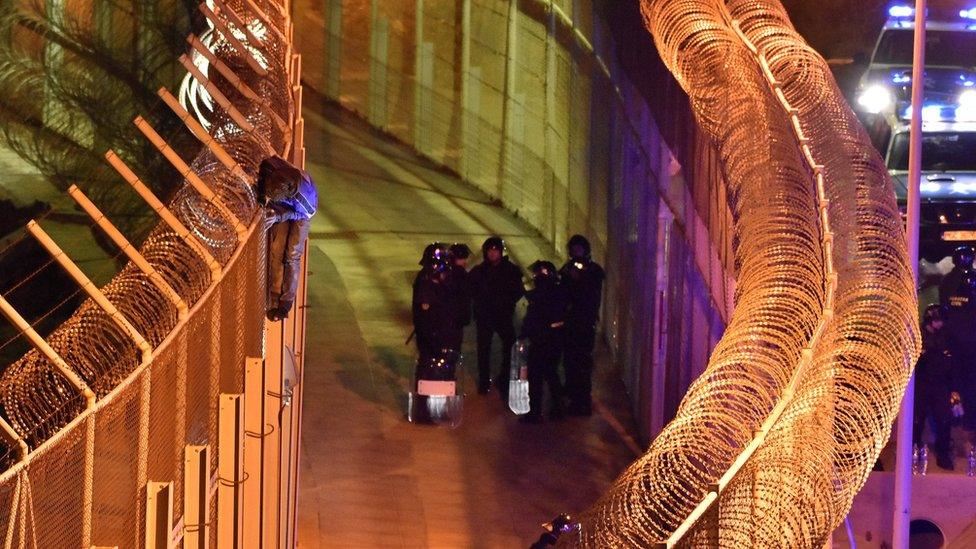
369	478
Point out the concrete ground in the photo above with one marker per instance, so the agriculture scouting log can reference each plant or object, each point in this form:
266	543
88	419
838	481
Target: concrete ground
369	478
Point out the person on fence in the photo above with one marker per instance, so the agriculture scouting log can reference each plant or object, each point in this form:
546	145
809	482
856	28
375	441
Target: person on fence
583	279
496	287
290	200
543	327
933	387
435	321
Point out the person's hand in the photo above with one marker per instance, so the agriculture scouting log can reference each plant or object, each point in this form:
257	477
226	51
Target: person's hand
270	218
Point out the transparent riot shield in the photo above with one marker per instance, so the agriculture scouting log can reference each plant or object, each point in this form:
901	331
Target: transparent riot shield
518	381
438	395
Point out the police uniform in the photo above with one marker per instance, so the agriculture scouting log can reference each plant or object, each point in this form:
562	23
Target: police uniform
495	290
434	315
933	374
543	327
960	328
583	280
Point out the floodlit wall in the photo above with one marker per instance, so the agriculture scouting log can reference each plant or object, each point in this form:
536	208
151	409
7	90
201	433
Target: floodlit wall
527	100
189	435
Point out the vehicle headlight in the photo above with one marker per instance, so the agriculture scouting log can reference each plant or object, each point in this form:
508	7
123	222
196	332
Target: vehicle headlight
875	99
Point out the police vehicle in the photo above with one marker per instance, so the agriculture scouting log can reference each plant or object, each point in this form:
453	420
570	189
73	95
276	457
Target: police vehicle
950	66
948	187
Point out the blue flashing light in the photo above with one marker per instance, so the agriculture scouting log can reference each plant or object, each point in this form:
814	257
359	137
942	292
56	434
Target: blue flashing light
899	11
968	14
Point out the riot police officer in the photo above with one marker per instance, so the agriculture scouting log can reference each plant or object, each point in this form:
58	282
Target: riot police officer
933	386
543	327
496	286
435	318
583	279
960	327
962	262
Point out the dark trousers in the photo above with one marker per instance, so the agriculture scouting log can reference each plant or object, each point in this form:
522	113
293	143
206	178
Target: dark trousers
486	330
932	403
543	362
964	364
285	259
578	361
430	344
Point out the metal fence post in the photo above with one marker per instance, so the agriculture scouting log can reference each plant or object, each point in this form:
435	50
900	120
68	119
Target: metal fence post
196	497
229	468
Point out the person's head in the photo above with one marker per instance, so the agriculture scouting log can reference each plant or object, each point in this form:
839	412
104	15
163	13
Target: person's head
493	249
460	253
544	274
963	257
932	318
277	180
436	259
578	247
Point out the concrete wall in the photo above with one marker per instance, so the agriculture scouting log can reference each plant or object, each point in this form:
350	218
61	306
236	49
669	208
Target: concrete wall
537	104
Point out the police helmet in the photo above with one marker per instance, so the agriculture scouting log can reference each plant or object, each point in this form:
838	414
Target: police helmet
581	241
435	253
493	242
460	250
963	257
543	271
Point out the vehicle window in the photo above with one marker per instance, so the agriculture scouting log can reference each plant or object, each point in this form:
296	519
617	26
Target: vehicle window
949	151
942	48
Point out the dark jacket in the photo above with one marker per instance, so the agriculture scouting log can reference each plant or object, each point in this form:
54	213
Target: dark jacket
934	366
960	321
461	294
583	281
545	316
434	313
495	289
950	284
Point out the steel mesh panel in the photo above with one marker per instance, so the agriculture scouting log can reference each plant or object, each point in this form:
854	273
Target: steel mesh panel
116	467
800	483
54	489
165	457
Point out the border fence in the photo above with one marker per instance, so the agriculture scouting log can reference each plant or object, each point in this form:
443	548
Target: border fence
167	410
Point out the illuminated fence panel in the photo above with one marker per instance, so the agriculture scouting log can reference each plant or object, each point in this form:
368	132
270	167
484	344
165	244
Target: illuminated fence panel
84	479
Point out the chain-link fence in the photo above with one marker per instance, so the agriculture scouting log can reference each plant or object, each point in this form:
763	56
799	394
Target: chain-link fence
112	397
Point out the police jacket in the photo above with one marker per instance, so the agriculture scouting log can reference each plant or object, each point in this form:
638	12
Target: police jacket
583	281
546	315
461	294
434	315
495	289
960	322
950	284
